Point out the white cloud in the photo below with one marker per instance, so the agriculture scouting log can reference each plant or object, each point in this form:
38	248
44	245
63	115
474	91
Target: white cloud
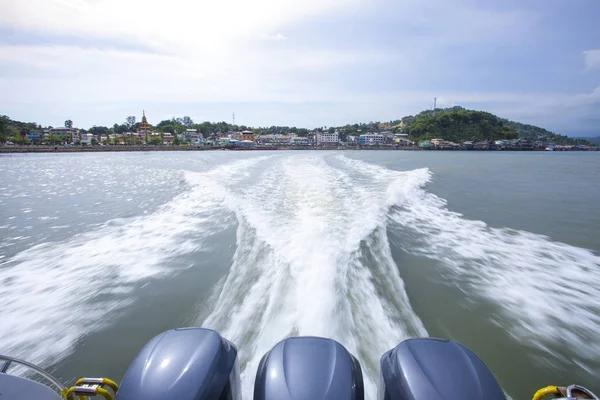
176	26
277	36
72	75
591	59
200	51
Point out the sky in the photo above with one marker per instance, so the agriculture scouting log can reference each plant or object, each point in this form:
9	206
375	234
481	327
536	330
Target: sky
304	63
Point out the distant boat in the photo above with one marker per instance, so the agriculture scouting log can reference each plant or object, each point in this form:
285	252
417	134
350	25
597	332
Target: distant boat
549	148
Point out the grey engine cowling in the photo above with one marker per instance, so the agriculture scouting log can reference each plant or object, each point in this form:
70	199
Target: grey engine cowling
435	369
183	364
308	368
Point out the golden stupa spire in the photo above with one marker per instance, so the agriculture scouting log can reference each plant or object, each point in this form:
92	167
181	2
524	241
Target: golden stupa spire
144	129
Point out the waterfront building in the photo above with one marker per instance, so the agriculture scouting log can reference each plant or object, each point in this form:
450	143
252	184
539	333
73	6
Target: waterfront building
71	133
326	138
248	135
370	139
245	143
400	141
275	140
168	138
300	141
192	137
86	138
437	142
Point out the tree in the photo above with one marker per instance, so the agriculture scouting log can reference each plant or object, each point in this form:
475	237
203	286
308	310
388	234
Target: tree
156	140
187	121
68	124
130	122
94	142
3	128
15	136
51	139
176	141
120	128
98	130
167	129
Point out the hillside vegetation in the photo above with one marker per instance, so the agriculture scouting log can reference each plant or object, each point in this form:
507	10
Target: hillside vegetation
531	132
457	125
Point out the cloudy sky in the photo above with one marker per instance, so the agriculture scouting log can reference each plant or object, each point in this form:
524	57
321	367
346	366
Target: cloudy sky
306	63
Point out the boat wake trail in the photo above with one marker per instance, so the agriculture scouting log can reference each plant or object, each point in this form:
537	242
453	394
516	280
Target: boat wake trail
55	293
547	291
313	258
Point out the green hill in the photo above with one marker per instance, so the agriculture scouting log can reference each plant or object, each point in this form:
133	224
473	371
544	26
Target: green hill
10	128
457	125
531	132
592	140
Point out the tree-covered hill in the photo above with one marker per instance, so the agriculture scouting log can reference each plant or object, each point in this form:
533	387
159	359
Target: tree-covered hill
592	140
531	132
457	125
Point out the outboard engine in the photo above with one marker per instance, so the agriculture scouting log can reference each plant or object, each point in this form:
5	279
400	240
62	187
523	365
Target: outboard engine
435	369
309	368
183	364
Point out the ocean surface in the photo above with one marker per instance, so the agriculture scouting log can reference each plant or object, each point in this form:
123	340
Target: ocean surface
499	251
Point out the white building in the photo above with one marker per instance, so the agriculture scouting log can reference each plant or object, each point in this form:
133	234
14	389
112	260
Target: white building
370	139
326	138
86	138
192	137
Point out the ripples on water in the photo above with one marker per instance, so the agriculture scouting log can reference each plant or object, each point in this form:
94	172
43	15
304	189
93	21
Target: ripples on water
312	255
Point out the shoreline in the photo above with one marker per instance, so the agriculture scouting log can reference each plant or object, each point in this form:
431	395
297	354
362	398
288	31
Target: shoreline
100	149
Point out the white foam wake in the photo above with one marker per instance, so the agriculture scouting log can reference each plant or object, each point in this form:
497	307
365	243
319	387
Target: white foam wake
312	258
55	293
549	290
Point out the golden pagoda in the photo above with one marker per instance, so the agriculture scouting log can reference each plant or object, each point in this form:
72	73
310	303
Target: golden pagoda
145	129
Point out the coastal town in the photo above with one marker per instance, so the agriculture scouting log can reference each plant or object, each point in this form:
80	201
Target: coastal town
144	136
